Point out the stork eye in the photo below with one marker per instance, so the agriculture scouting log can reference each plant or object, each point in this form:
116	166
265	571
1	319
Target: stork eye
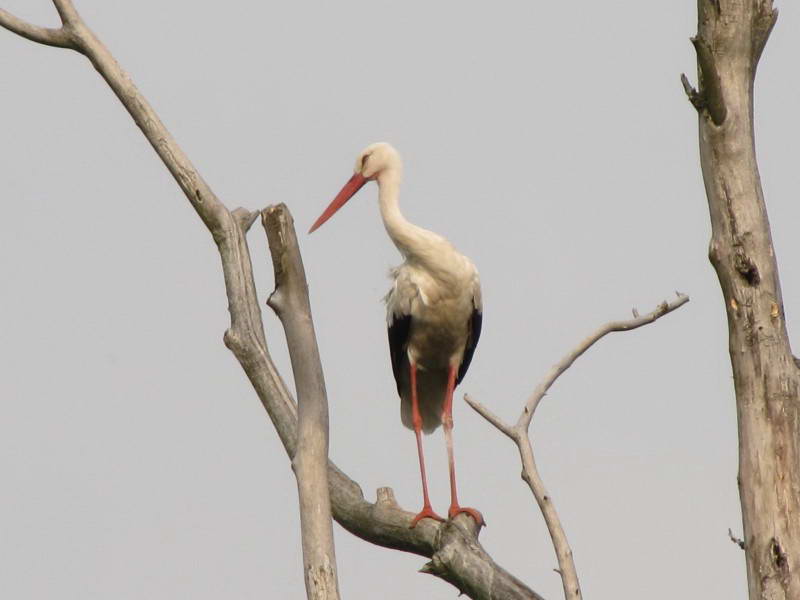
364	161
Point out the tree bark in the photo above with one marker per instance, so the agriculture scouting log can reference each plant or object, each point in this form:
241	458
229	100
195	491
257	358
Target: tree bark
730	38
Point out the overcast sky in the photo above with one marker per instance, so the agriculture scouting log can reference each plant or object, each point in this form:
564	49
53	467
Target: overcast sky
550	141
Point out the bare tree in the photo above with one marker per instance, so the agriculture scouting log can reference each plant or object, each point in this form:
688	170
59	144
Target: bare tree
729	42
455	553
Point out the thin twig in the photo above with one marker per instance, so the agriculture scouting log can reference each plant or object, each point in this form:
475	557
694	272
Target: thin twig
566	362
738	541
491	417
692	94
519	432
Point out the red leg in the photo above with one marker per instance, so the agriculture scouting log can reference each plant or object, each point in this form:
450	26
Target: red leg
447	421
427	510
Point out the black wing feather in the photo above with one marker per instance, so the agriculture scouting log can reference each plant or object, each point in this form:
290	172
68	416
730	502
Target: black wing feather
472	341
398	346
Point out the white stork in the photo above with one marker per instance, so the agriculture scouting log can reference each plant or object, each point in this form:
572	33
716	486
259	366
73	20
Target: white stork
433	312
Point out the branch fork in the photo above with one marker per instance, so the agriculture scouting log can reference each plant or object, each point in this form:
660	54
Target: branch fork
519	433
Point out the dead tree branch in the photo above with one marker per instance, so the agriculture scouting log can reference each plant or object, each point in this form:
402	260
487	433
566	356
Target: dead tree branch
310	461
455	553
50	37
519	433
729	41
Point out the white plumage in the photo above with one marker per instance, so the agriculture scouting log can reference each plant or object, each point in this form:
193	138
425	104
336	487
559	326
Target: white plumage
441	304
434	312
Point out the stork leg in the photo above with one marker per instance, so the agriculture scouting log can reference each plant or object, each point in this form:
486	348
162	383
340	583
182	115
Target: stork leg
447	422
416	418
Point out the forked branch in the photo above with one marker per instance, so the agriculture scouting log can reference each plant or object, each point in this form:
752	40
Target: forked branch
519	433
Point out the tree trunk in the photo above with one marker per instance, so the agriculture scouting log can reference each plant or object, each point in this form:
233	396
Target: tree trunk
730	38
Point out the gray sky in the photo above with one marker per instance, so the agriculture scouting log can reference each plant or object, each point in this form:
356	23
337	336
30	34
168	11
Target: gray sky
551	142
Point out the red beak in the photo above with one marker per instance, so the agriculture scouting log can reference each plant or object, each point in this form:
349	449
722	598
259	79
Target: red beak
356	182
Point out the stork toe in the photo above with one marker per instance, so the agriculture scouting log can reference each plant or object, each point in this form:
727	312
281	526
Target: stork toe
426	512
472	512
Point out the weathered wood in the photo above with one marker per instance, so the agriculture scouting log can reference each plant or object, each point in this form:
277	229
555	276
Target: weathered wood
730	39
310	461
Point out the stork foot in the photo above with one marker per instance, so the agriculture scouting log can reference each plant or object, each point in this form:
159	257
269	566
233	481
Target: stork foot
475	514
426	512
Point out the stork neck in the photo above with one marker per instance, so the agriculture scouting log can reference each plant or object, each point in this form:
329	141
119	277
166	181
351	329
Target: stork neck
405	235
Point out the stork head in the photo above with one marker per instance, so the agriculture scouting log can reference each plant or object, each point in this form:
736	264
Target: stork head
376	159
373	162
